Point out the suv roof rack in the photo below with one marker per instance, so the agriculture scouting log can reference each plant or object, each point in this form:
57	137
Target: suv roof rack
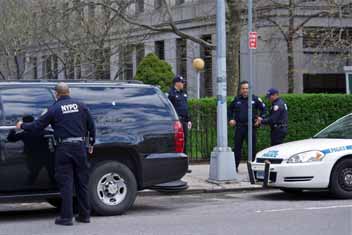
76	81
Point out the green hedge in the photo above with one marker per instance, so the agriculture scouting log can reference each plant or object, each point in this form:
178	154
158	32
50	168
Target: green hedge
308	113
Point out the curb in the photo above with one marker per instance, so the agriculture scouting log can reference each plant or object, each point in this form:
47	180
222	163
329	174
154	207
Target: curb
202	191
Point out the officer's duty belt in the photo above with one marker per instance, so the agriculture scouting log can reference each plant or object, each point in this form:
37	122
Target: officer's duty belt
279	125
73	140
242	124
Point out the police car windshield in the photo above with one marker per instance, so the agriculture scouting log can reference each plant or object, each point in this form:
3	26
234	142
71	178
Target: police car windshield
341	129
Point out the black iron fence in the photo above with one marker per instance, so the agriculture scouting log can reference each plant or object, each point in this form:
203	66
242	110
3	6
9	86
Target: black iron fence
202	136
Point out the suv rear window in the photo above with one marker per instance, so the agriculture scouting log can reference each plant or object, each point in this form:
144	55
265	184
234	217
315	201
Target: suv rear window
112	104
18	102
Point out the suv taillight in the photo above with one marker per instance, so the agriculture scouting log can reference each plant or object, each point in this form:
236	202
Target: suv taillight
179	137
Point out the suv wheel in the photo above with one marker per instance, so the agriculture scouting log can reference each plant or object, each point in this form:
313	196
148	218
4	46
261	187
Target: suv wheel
341	179
112	188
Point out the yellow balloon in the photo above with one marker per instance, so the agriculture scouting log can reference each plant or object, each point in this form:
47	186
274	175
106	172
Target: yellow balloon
198	64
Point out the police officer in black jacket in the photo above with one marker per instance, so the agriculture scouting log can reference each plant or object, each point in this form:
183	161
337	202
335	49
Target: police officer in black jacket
238	117
72	123
278	117
179	100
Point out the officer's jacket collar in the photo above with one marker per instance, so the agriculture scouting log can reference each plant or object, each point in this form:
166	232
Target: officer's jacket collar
177	90
245	98
64	97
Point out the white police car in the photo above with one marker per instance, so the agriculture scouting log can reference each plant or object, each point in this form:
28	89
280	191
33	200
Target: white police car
322	162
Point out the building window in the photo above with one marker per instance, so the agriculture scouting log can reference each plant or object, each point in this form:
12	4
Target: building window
69	66
102	63
160	49
140	52
107	10
107	57
55	67
324	83
181	57
65	14
46	67
179	2
35	67
207	75
139	6
126	63
78	67
158	4
91	13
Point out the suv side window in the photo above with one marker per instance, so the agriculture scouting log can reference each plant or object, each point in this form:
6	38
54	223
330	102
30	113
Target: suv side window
17	102
114	104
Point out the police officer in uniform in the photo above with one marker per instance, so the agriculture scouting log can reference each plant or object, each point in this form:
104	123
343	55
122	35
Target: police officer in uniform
72	123
238	117
277	119
179	100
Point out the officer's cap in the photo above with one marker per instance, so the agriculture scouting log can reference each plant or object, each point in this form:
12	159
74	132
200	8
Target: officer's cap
272	91
179	79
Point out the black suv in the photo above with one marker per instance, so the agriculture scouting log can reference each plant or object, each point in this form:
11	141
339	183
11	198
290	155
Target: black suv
139	142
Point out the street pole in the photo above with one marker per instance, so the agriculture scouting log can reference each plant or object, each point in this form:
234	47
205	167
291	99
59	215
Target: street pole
198	64
250	94
198	85
222	162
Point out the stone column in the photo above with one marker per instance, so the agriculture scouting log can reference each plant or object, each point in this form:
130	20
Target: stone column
149	47
134	61
170	53
114	64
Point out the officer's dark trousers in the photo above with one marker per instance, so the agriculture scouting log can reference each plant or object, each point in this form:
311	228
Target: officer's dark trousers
72	169
277	135
185	131
241	134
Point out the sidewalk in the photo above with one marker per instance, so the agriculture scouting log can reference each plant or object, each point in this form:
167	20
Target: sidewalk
197	181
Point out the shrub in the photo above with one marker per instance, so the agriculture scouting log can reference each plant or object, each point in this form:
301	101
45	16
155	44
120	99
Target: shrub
154	71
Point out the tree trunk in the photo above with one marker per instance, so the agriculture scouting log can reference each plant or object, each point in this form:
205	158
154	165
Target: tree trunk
290	56
233	46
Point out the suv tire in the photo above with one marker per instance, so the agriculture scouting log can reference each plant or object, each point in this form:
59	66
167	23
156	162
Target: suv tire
112	188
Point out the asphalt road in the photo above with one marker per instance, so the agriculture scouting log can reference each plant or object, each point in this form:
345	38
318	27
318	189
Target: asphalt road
263	212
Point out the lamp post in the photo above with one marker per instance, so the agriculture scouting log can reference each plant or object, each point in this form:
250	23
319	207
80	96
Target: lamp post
222	162
198	64
252	40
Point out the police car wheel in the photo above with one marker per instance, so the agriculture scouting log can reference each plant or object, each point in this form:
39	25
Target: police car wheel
292	190
341	179
112	188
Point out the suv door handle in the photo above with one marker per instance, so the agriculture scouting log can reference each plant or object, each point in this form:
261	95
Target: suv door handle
7	128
